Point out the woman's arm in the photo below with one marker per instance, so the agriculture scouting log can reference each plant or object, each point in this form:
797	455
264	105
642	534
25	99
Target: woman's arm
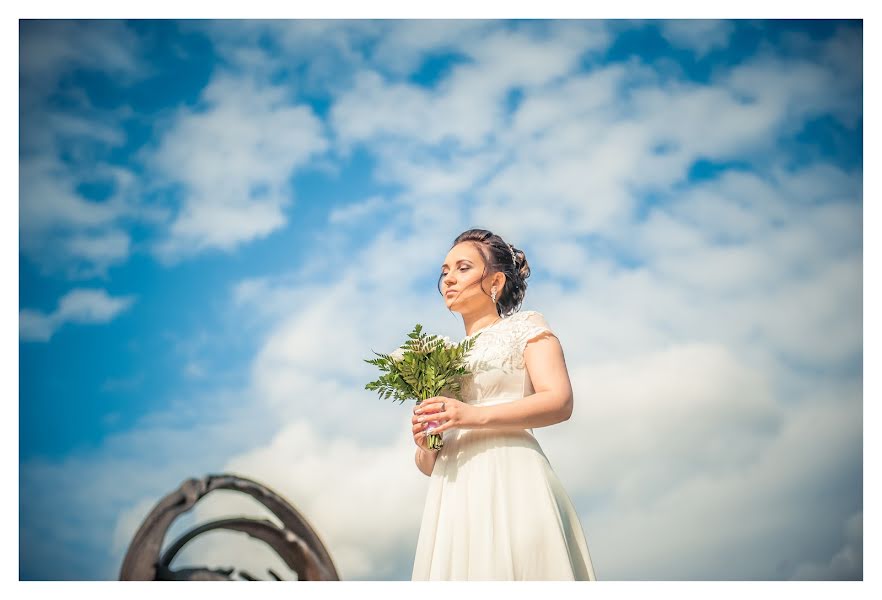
537	410
553	400
425	461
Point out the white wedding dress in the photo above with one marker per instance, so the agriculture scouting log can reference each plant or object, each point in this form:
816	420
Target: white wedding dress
495	509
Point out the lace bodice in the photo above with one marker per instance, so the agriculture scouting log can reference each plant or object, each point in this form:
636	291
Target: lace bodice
496	360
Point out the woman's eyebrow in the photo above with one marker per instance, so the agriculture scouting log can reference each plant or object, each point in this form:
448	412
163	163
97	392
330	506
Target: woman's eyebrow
457	262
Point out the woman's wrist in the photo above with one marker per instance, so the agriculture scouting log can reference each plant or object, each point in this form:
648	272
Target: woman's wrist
481	416
425	463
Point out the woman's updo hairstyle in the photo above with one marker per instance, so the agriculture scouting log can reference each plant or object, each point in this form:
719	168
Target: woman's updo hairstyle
497	254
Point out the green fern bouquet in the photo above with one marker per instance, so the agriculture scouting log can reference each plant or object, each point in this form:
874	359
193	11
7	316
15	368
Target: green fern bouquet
421	368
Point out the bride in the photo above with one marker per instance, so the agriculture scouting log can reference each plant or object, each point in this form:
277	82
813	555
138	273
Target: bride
495	509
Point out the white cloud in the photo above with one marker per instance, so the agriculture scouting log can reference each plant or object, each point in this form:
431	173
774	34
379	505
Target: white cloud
62	230
35	326
698	35
91	306
668	416
195	370
49	48
402	47
234	158
48	200
352	214
82	305
467	106
756	509
322	52
590	158
847	563
52	214
119	384
691	447
106	248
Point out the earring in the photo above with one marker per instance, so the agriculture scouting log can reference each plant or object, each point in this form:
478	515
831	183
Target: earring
493	295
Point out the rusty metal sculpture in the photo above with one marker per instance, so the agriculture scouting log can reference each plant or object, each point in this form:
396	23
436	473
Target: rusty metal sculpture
295	542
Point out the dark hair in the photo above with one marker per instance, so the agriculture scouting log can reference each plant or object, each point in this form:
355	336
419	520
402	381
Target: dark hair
497	255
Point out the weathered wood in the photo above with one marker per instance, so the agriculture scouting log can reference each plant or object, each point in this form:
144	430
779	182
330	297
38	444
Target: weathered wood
295	542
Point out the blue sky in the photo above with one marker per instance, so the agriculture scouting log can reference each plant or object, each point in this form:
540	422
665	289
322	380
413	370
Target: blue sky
219	220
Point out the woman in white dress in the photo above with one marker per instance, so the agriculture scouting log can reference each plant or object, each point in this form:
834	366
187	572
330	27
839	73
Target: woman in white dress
495	509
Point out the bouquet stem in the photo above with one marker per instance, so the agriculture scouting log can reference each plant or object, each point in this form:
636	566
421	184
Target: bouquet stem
433	440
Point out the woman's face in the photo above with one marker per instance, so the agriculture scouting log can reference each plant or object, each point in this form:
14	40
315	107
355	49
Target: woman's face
461	279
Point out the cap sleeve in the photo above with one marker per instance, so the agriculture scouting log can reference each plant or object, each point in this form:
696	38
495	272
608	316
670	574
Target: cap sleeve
532	326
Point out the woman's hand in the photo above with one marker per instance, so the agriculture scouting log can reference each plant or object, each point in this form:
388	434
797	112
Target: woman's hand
420	437
455	414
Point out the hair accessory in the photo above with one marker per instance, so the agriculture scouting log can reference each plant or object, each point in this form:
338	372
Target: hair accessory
513	259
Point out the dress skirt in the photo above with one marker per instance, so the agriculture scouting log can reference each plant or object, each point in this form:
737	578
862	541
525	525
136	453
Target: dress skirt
495	510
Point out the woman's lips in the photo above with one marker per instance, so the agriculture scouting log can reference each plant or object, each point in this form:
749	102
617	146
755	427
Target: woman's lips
450	292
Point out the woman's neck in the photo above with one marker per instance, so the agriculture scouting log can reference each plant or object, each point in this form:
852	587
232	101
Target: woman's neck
474	323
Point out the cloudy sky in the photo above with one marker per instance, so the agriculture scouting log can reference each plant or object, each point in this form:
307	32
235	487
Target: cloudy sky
219	221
